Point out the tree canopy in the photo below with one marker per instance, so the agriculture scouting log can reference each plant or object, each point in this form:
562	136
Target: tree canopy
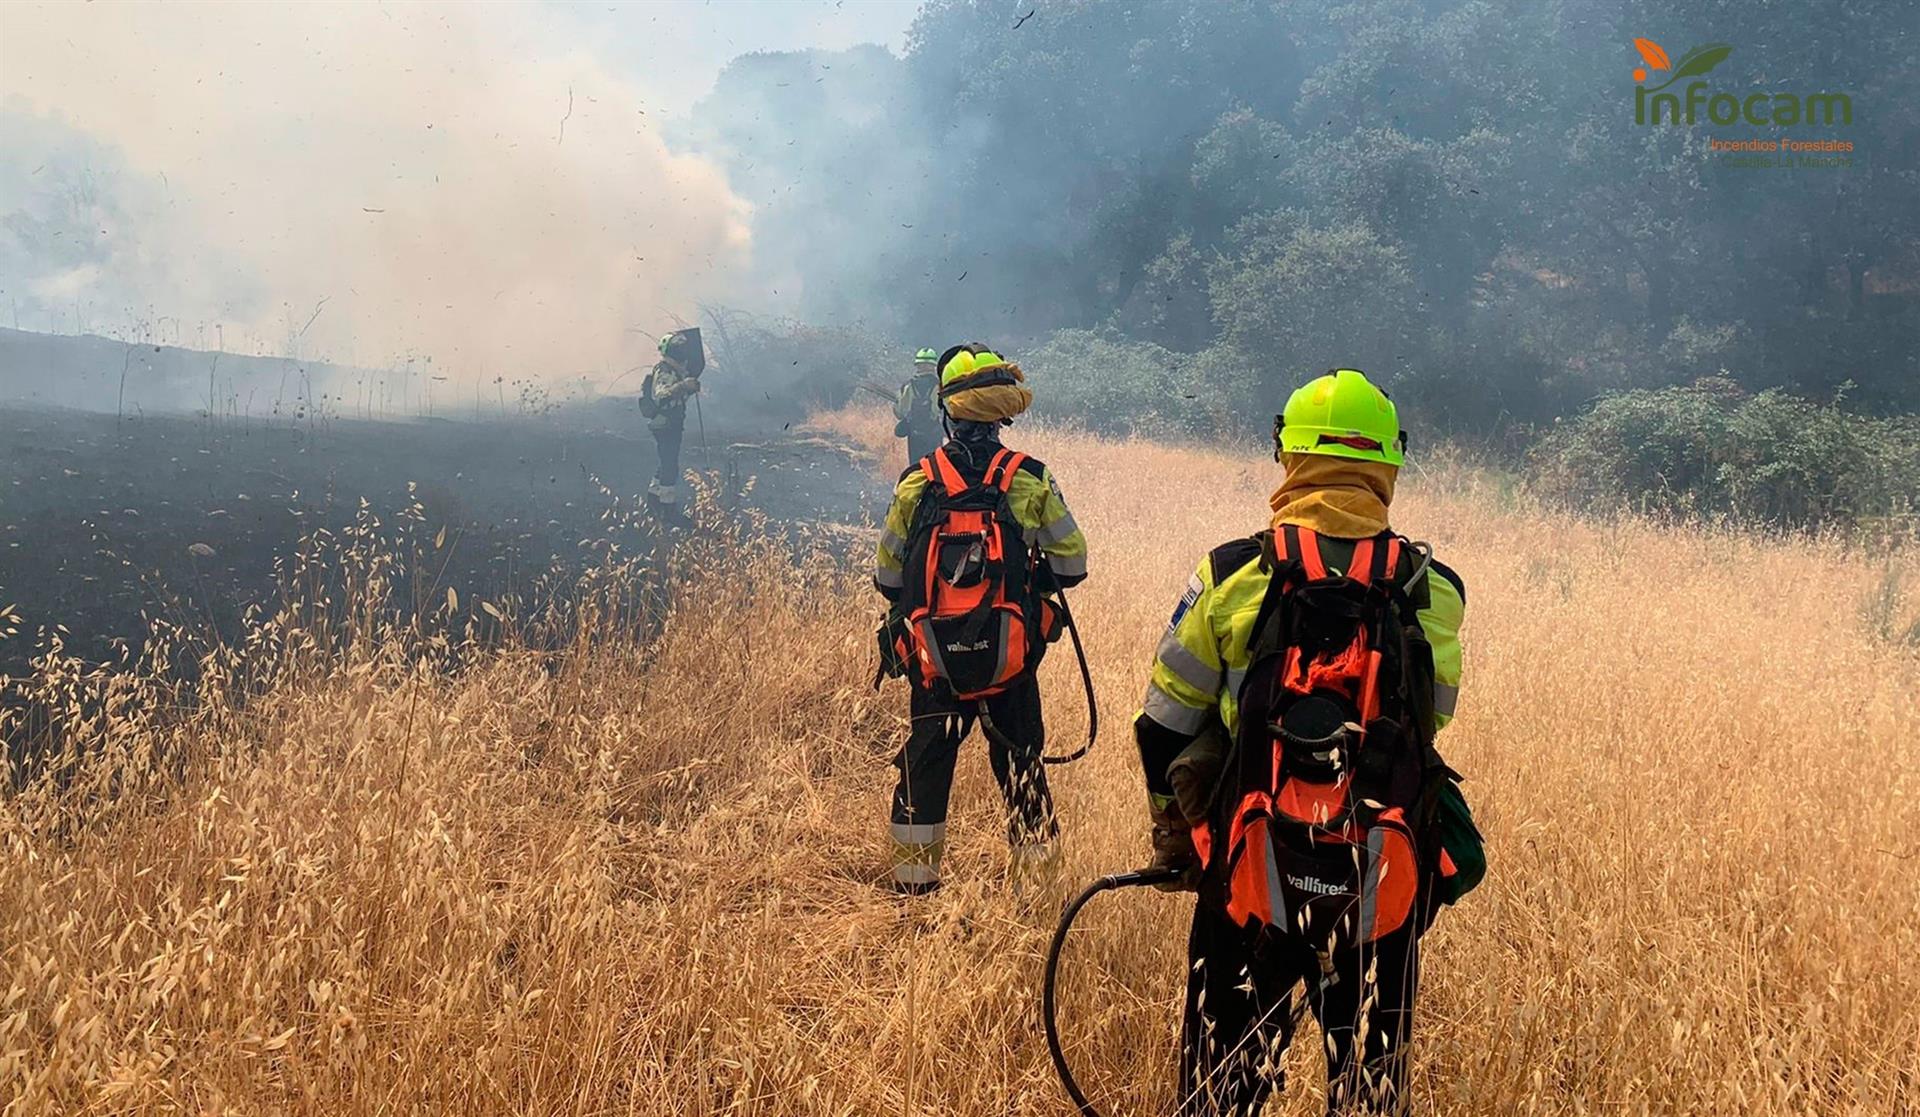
1452	194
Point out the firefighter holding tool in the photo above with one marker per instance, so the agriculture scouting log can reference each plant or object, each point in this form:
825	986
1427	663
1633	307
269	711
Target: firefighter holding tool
1287	739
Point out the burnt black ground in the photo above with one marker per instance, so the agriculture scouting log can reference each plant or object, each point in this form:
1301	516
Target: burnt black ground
97	516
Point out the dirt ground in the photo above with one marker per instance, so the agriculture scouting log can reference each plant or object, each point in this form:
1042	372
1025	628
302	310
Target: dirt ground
103	520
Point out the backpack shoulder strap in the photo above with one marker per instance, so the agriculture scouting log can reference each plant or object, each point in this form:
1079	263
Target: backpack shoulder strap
941	473
1376	560
1306	544
1279	553
1360	567
1386	558
1280	544
1000	471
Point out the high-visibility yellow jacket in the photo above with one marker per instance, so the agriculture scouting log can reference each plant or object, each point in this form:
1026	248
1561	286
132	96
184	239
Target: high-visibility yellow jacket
1203	658
672	387
1034	496
918	403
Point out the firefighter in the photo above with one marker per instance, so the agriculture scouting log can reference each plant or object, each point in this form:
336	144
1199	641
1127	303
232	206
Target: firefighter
980	393
675	379
1341	444
916	411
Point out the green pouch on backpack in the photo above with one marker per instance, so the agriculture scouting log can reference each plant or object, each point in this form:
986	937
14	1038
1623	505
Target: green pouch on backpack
1463	853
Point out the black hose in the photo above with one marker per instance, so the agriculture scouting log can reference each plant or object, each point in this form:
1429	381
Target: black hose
1114	880
1086	680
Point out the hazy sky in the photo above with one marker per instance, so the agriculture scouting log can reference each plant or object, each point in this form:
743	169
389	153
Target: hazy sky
485	183
675	47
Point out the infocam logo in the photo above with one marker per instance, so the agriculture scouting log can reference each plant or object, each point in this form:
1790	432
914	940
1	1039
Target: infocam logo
1694	101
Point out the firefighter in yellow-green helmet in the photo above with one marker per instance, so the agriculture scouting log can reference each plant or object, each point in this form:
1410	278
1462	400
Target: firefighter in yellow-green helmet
977	523
916	411
1290	715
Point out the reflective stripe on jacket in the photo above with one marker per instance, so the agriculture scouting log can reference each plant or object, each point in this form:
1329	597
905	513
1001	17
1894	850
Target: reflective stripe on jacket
1203	658
1037	504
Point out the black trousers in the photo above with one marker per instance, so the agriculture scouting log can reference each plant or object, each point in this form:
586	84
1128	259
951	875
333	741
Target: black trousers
666	477
927	760
1239	1017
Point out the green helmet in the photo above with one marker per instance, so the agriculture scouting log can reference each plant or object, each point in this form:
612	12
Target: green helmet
926	357
1342	415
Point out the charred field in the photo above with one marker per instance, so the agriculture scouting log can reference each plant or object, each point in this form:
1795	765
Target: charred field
107	523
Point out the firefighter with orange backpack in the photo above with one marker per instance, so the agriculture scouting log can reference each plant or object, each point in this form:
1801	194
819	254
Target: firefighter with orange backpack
976	539
1287	739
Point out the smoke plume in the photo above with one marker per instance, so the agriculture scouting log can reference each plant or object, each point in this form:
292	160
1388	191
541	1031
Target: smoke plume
346	182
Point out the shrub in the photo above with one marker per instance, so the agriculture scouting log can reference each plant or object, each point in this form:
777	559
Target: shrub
1306	296
1109	385
1708	449
784	369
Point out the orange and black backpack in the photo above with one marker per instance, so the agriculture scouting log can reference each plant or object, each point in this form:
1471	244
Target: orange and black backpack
1324	815
971	621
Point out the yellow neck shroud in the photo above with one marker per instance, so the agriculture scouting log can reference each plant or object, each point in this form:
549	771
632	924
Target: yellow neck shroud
1339	497
992	401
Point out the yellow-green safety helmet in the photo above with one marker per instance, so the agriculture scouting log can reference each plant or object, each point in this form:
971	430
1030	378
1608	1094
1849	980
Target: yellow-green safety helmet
1342	415
965	360
925	357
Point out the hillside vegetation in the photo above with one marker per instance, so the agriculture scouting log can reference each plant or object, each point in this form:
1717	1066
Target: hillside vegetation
1205	200
368	869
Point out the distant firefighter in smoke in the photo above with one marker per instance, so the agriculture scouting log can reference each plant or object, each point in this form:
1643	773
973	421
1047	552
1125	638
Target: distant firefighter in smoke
675	379
916	411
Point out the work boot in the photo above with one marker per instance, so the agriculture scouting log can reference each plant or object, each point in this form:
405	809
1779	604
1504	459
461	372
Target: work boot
916	856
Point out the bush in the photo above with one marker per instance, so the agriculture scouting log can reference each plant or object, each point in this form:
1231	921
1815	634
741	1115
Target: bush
1708	449
1117	387
784	369
1305	296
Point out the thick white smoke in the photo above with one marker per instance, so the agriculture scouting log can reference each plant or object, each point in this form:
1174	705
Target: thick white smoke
452	179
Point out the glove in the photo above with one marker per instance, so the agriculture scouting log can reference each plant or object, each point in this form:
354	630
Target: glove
1173	845
900	429
1195	773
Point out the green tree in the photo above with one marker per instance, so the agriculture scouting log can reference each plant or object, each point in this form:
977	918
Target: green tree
1304	297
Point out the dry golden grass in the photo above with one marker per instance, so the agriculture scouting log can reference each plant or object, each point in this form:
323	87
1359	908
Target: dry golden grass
643	880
